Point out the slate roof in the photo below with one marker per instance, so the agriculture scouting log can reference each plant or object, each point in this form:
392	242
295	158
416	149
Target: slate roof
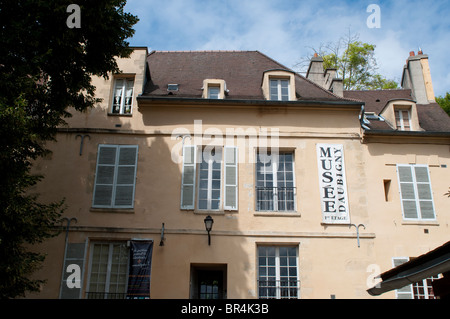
432	118
242	71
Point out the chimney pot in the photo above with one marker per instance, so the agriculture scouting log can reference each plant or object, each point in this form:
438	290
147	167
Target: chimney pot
411	53
315	54
420	51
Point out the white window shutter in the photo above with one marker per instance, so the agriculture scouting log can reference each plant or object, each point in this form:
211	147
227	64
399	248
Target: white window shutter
74	255
407	192
231	178
126	176
104	179
405	292
415	191
424	192
188	177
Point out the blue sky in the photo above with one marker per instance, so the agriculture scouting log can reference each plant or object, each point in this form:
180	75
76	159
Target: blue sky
287	30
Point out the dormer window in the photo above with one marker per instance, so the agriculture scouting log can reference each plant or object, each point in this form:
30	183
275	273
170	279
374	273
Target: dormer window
279	85
214	89
213	92
172	87
402	119
401	115
279	89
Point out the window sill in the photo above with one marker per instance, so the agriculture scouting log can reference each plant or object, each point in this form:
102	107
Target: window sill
120	114
112	210
213	212
277	214
421	222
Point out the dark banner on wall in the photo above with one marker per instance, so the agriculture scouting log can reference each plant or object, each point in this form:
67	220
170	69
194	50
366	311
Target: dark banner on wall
140	269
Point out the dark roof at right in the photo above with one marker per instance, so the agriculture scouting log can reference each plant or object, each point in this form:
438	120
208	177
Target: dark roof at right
432	117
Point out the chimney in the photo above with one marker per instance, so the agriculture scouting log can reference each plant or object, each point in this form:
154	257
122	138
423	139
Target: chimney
417	77
315	70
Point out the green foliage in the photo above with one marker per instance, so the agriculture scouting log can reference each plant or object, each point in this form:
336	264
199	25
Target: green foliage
45	67
444	102
355	63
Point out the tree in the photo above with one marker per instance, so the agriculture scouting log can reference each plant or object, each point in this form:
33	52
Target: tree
444	102
46	66
355	63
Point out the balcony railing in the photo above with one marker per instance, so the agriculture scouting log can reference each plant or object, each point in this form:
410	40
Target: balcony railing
105	295
275	198
279	289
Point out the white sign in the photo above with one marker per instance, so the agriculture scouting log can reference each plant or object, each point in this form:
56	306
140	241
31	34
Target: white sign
333	186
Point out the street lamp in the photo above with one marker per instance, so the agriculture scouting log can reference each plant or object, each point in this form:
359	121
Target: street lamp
208	225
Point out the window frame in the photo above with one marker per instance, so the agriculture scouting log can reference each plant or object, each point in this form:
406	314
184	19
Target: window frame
123	87
400	119
115	183
109	264
416	199
279	87
277	265
191	178
410	290
275	197
213	95
210	170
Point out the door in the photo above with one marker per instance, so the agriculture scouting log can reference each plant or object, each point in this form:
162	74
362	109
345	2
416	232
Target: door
210	284
208	281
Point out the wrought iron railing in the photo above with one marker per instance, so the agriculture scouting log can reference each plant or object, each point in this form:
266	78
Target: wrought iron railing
105	295
275	198
279	289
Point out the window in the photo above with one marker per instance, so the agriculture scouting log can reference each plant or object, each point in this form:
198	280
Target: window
279	89
422	289
108	271
115	176
278	273
217	178
214	89
275	189
415	191
210	176
213	92
402	119
172	87
123	96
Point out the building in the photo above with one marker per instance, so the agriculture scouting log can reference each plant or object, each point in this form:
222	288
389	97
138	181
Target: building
313	190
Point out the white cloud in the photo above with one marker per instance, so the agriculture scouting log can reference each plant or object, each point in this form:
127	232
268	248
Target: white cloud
286	30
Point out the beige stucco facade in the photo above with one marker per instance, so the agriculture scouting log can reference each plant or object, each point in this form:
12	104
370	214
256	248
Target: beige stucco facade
329	261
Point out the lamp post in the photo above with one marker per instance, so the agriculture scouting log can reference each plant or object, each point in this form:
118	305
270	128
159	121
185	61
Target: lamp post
208	225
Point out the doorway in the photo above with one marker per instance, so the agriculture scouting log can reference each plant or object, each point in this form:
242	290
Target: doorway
208	281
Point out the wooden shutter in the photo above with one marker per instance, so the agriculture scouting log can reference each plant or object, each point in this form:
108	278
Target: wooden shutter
415	191
74	255
126	176
405	292
188	177
231	178
104	179
424	194
115	176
